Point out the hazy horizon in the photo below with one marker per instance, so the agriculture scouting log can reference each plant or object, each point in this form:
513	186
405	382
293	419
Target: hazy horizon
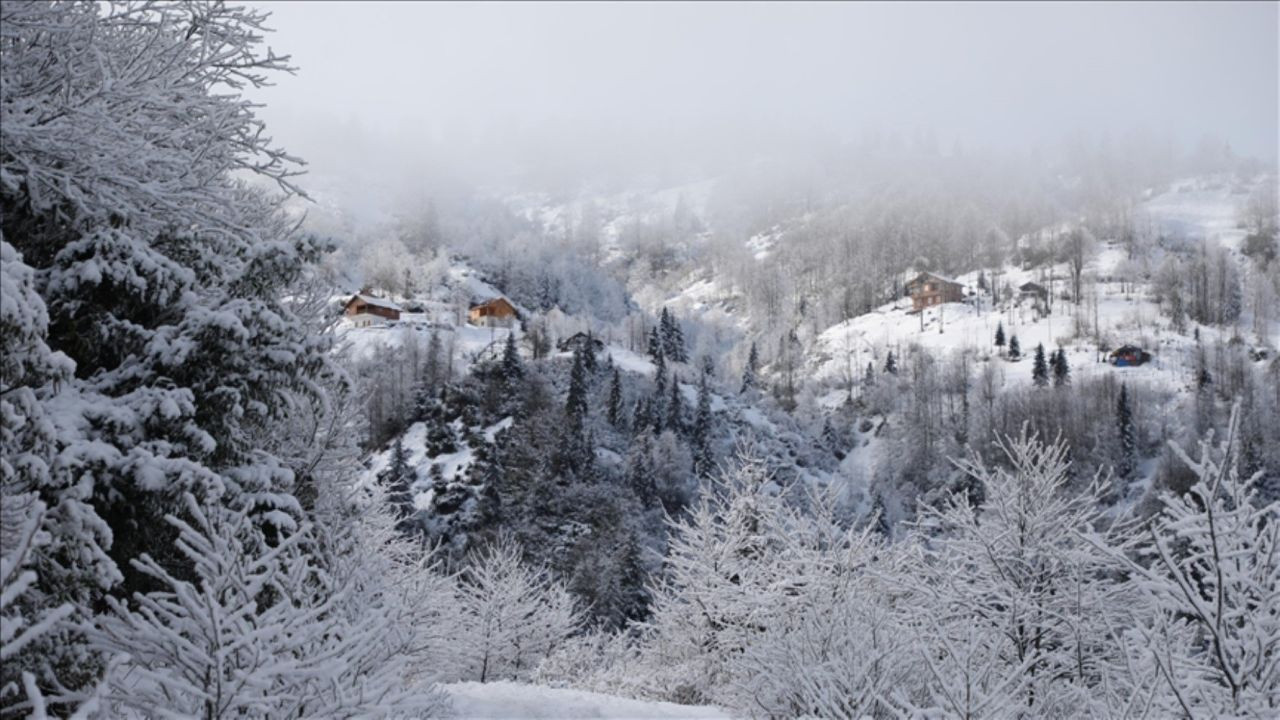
479	90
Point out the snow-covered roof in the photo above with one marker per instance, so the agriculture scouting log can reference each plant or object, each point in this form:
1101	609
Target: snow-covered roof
494	301
375	301
936	276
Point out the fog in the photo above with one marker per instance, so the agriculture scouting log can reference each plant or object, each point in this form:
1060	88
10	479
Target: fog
537	92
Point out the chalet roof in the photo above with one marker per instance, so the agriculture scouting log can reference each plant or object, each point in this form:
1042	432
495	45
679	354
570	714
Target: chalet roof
580	337
1031	286
493	301
375	301
1126	349
935	276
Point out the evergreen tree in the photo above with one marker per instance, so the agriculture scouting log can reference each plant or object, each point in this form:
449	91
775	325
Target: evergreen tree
398	479
891	364
1128	446
575	454
512	368
701	439
640	472
708	365
749	379
440	435
869	376
1000	334
575	406
673	338
675	408
1061	371
656	352
1015	348
615	400
589	354
639	415
1040	370
657	406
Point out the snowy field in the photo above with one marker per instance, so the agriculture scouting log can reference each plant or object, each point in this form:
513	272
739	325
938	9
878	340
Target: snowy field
512	701
1193	210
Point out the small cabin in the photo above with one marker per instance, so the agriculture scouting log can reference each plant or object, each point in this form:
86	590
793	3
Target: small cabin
495	312
929	289
364	310
1033	291
581	340
1127	355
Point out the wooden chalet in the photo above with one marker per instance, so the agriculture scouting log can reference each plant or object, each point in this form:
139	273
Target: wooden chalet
1127	355
495	312
364	309
1033	291
929	289
581	340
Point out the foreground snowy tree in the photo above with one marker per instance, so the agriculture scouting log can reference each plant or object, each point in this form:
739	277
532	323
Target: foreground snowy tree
1015	607
261	631
1212	569
514	615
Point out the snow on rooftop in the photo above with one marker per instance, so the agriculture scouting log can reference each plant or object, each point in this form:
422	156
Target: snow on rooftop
378	302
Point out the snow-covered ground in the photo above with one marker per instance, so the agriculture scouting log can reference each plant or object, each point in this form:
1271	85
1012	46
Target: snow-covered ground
516	701
1198	209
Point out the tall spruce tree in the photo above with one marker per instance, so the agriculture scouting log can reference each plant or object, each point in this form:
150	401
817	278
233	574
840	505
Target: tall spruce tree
398	479
1015	348
891	364
1128	445
512	368
656	350
615	416
1000	334
701	432
749	378
1061	371
675	407
1040	368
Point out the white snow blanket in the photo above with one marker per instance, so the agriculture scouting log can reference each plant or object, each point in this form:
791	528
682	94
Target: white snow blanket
516	701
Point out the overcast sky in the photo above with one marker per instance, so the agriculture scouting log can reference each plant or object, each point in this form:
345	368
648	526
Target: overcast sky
447	83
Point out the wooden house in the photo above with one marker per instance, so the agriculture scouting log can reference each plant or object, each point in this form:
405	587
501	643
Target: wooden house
495	312
364	310
581	340
929	289
1033	291
1127	355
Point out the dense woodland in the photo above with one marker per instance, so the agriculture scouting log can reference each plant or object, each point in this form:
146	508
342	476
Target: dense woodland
213	508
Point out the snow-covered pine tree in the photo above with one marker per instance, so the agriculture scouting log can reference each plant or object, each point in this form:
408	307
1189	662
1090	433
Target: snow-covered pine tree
891	364
673	338
1039	368
700	440
1128	445
1015	348
399	478
675	407
512	367
749	372
440	436
575	455
1000	334
1061	371
615	414
163	276
656	350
